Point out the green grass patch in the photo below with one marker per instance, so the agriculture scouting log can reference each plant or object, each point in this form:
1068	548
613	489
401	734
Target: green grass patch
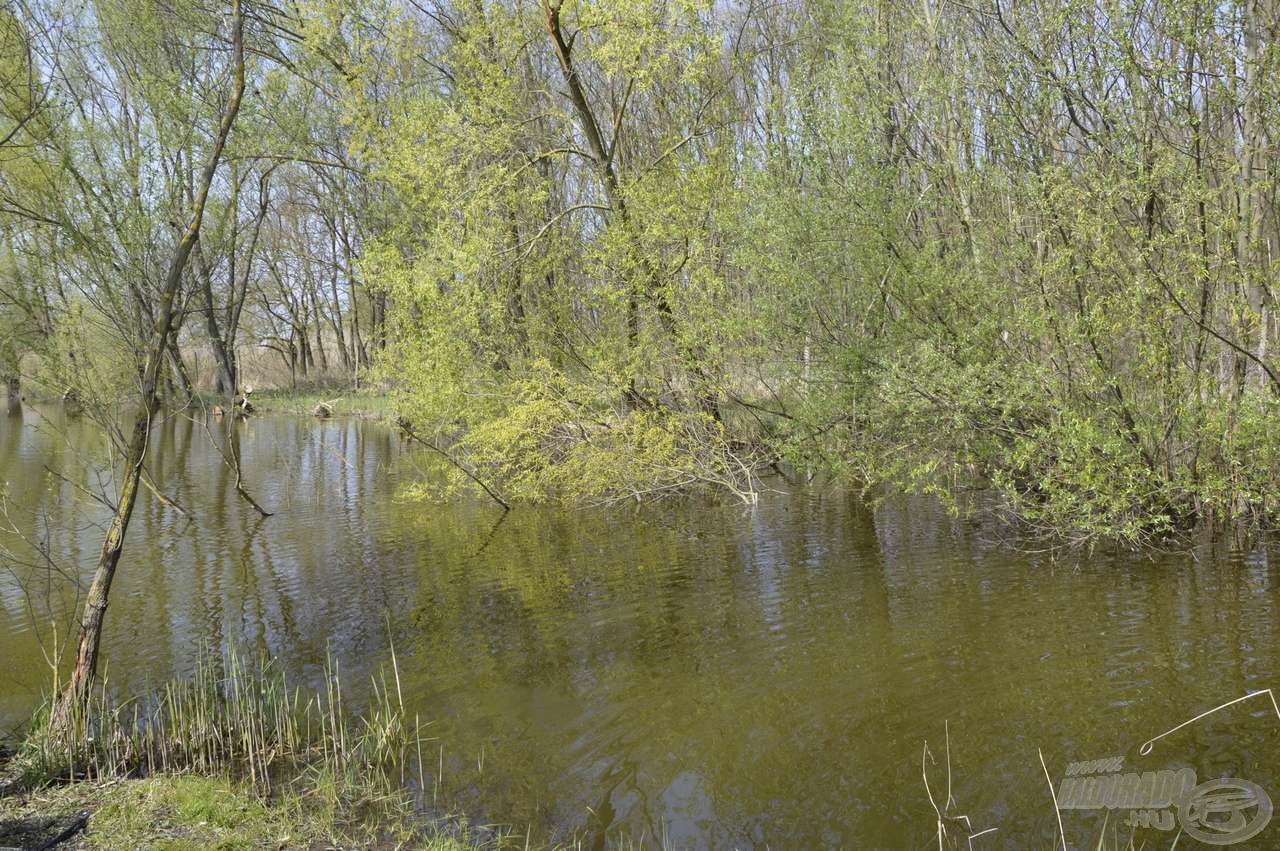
370	404
187	812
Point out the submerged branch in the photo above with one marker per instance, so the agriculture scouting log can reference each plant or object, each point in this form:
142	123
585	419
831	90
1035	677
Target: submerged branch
407	428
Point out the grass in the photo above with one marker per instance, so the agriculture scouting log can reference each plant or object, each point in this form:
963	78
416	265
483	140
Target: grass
232	757
367	403
185	811
233	717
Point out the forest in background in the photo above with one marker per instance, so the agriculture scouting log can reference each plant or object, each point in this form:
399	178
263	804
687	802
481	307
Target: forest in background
616	250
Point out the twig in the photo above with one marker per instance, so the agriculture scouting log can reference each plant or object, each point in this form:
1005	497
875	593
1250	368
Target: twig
924	775
80	822
407	428
232	459
84	490
155	491
1145	750
974	836
1056	811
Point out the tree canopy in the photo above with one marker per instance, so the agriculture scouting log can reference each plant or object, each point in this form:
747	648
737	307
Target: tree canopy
602	250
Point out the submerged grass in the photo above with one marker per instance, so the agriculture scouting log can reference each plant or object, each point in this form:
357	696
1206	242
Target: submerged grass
233	757
953	830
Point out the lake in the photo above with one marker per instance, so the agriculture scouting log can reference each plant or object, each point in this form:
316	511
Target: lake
688	673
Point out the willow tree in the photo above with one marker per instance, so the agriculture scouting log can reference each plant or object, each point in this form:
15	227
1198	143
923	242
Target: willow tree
1030	249
157	348
554	271
25	181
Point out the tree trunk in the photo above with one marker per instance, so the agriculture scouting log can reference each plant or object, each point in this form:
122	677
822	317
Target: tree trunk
335	315
305	358
223	357
380	321
180	370
324	358
95	607
602	152
359	356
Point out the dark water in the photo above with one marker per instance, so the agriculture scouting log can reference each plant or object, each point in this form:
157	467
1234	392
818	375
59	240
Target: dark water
706	675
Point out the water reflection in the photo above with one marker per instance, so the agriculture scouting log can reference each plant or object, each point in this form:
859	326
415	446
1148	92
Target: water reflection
222	575
710	675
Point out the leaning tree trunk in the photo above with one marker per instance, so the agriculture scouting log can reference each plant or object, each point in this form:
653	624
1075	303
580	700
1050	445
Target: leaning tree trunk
95	607
602	153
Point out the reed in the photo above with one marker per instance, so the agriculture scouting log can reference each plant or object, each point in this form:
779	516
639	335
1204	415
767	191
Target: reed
238	717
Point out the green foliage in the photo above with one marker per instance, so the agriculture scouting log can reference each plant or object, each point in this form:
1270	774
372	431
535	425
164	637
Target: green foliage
1012	275
911	246
555	315
602	249
84	359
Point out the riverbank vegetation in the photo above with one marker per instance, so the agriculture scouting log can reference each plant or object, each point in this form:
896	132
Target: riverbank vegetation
615	250
232	756
167	811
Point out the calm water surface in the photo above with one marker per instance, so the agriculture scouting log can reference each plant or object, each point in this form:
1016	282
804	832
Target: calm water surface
707	675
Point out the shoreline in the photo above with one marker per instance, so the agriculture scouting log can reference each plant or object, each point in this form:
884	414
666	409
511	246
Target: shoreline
194	811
